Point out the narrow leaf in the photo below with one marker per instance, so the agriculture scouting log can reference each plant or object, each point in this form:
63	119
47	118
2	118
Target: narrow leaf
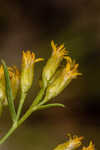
9	92
50	105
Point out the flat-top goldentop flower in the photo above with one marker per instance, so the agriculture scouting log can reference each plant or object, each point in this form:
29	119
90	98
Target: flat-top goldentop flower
53	62
28	61
71	68
63	78
14	75
90	147
72	144
15	82
2	85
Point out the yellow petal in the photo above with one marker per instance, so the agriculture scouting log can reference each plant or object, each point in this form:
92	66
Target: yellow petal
53	46
90	147
39	59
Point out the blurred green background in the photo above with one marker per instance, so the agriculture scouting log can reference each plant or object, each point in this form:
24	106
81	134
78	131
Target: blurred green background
32	25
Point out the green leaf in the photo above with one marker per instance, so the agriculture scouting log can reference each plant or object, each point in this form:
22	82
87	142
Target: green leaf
50	105
9	92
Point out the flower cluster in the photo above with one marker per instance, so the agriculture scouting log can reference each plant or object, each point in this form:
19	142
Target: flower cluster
53	62
17	79
56	76
74	143
58	72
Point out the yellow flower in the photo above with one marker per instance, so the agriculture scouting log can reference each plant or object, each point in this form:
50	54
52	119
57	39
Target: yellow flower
58	51
53	62
90	147
71	68
72	144
63	78
15	82
28	61
2	85
28	58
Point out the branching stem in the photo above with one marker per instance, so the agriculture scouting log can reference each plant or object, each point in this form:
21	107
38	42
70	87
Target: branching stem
35	105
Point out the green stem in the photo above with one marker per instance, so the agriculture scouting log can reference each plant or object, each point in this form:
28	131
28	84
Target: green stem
35	102
31	109
12	129
38	97
27	114
23	96
17	124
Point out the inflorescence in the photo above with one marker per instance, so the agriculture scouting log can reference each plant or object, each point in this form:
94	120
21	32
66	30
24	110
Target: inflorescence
58	72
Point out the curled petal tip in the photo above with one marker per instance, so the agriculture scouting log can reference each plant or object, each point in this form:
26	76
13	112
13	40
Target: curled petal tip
39	59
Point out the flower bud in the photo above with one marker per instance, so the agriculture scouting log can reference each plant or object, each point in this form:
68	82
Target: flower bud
28	61
65	76
53	62
72	144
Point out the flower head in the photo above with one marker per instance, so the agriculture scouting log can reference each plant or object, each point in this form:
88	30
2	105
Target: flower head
90	147
63	78
71	68
15	82
28	61
59	51
2	85
72	144
28	58
53	63
14	75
